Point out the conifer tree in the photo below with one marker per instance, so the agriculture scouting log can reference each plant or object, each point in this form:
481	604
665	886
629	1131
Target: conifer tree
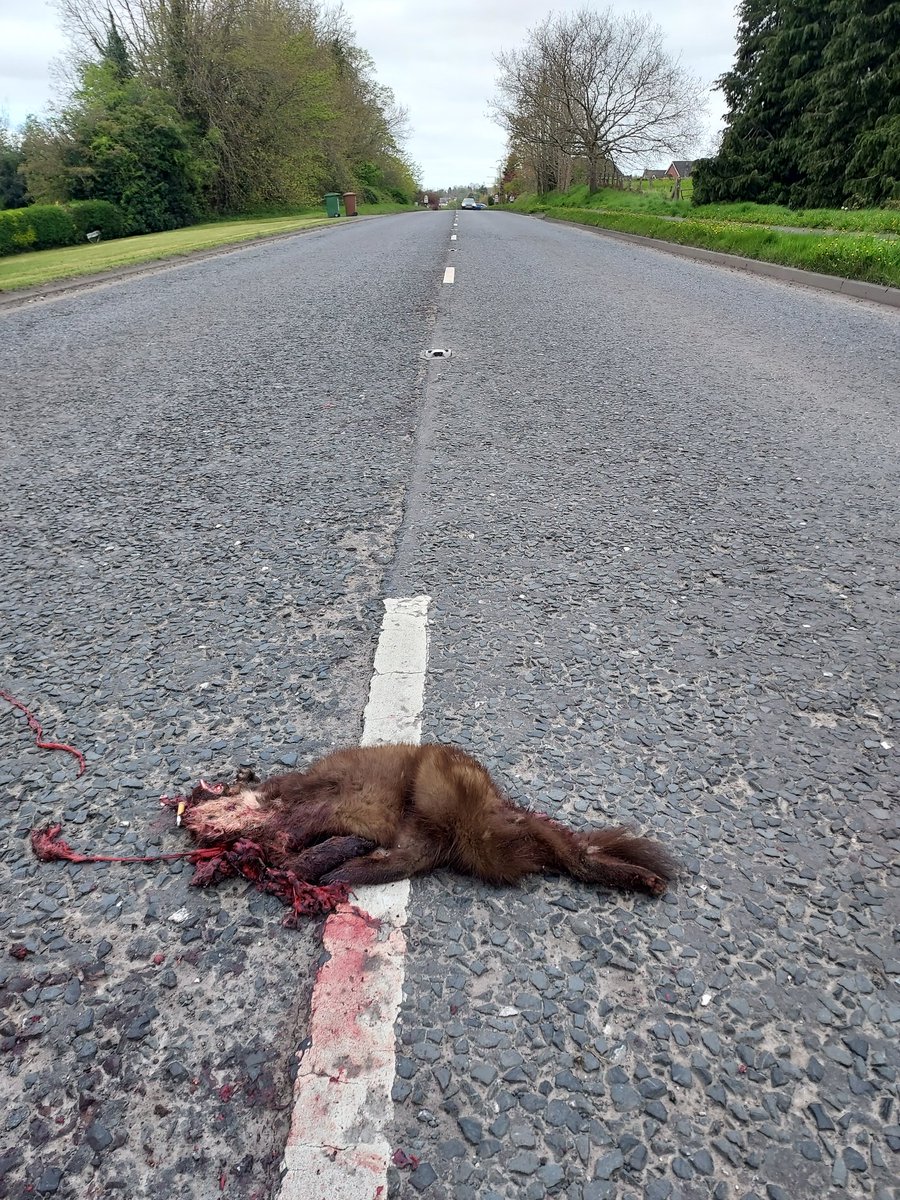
781	44
849	143
813	106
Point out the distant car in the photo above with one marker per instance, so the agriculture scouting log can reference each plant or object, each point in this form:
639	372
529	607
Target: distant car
469	202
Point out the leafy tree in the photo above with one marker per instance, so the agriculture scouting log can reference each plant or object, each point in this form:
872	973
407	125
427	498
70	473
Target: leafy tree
12	181
595	86
228	105
120	141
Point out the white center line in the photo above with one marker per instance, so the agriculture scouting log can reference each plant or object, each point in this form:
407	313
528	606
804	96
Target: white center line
450	275
452	237
337	1148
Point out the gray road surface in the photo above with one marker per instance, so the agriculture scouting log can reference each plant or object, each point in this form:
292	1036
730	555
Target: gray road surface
656	506
203	474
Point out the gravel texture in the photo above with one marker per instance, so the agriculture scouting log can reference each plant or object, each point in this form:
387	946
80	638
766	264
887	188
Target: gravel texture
201	479
659	520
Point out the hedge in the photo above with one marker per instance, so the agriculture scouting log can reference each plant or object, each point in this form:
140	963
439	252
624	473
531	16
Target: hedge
42	226
37	227
89	215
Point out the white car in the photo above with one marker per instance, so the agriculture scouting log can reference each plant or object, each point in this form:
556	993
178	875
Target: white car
469	202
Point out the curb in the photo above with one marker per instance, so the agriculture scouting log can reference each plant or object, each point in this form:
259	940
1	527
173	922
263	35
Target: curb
76	283
877	293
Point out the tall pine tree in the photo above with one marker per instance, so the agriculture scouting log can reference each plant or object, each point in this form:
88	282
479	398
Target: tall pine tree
849	144
813	106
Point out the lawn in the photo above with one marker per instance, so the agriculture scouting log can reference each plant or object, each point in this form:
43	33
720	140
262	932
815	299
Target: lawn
656	202
43	266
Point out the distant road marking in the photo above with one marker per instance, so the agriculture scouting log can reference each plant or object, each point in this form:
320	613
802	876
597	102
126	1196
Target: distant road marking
452	237
337	1148
450	275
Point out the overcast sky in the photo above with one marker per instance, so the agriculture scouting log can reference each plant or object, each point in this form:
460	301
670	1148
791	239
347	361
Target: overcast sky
437	55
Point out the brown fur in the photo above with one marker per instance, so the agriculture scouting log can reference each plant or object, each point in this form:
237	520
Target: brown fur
379	813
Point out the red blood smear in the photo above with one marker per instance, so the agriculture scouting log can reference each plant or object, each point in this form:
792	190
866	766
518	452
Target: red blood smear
226	1091
402	1159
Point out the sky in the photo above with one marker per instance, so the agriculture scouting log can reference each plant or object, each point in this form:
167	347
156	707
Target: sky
436	55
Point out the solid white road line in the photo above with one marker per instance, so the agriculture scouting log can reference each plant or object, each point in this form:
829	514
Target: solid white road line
450	275
337	1149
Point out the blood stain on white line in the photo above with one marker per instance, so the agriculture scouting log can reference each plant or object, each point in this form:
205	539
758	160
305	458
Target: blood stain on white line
337	1148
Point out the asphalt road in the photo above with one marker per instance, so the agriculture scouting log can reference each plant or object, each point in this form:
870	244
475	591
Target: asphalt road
655	505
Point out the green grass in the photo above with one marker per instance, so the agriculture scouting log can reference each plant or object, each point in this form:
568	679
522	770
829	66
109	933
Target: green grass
657	203
44	266
863	220
851	256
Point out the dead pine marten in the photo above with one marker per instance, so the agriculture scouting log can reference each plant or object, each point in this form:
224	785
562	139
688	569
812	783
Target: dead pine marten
375	814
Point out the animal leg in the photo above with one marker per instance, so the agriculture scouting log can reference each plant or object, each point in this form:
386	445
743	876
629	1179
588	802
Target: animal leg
618	858
383	866
311	864
617	873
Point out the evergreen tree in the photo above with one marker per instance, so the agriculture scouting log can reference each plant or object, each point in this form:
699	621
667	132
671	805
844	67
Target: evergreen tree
849	143
115	52
122	141
781	44
813	106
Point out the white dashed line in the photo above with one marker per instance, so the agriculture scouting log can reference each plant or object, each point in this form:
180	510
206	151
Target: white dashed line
450	275
337	1149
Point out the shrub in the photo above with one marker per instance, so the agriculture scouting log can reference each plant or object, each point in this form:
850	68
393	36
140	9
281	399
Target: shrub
38	227
96	214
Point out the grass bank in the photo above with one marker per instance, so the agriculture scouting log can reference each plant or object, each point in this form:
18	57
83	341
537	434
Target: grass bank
656	202
865	256
47	266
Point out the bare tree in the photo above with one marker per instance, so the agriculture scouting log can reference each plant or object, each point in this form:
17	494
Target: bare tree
597	86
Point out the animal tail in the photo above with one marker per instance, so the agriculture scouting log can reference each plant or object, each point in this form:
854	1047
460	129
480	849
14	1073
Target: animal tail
615	858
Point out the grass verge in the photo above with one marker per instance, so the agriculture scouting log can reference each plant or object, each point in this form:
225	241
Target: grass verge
657	203
850	256
46	266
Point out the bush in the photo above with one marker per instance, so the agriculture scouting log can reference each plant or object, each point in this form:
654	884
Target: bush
96	214
38	227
